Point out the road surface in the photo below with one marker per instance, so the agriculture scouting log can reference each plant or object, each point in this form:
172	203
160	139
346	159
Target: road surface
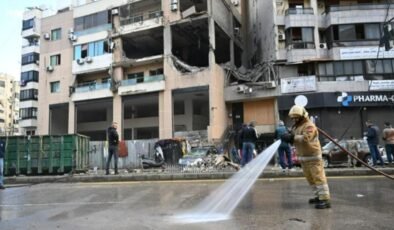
357	203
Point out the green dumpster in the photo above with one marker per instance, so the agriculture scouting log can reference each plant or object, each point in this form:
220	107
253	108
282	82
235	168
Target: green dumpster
47	154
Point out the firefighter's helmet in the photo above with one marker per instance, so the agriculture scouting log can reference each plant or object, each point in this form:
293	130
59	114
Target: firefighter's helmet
298	111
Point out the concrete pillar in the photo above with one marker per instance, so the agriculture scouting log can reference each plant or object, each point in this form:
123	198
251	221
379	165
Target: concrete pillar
72	117
117	76
165	115
167	40
211	31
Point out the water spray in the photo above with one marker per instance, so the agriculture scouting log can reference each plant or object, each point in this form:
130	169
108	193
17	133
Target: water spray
354	156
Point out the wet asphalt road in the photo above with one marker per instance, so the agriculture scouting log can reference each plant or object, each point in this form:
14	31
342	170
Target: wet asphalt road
358	203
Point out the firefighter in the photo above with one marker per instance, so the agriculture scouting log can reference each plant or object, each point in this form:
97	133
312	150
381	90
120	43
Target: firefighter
305	137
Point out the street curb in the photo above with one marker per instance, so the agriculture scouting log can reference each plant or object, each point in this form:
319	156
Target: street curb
81	178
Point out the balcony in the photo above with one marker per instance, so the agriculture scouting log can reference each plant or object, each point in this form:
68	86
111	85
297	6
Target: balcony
92	64
30	49
360	13
33	32
25	123
142	85
28	104
142	21
299	51
299	17
89	91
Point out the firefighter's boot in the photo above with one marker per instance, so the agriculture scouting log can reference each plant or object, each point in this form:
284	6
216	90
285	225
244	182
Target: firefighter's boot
322	204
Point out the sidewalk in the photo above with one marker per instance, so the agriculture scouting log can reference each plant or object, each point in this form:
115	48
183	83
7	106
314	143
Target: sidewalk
158	174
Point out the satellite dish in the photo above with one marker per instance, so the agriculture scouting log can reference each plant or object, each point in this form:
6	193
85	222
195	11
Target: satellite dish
301	100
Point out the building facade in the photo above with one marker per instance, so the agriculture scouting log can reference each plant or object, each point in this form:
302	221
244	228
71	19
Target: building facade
153	66
9	105
30	62
327	52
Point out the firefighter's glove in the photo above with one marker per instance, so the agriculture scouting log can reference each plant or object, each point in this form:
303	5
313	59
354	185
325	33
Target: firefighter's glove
287	137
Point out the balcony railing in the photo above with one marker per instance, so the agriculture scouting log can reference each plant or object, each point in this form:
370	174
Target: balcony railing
87	87
361	6
142	80
301	45
141	17
292	11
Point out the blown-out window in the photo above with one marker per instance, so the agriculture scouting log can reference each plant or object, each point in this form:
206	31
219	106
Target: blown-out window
91	49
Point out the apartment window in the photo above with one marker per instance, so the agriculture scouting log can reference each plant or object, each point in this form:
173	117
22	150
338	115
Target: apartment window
30	58
91	49
300	37
28	77
353	70
2	84
91	21
356	32
55	60
106	80
156	72
28	113
29	94
138	76
27	24
55	87
56	34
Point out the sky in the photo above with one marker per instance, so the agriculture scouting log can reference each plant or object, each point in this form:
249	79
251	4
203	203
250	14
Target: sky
11	27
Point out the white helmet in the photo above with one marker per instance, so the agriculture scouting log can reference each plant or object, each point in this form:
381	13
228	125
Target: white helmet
298	111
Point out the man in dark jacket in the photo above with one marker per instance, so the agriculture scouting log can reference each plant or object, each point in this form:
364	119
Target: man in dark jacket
248	137
284	147
372	135
113	141
2	153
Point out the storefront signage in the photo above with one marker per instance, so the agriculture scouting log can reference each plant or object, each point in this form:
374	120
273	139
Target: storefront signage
298	84
381	85
340	99
365	53
357	99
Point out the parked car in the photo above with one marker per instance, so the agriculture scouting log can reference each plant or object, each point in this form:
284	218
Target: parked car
333	155
197	154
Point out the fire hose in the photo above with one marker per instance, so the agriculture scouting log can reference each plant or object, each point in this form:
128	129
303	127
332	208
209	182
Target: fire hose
354	156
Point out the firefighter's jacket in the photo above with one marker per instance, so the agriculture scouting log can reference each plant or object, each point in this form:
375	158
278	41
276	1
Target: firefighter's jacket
306	140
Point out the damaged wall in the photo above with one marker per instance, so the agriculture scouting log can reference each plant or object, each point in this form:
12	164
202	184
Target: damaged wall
222	16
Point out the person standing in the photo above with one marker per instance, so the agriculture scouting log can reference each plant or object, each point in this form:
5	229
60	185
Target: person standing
372	135
305	136
388	137
284	150
113	141
249	138
2	153
352	146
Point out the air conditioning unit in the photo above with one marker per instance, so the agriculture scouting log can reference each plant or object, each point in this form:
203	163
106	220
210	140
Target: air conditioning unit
72	37
47	36
80	61
323	45
241	89
37	62
49	68
281	37
88	59
270	84
115	11
174	5
235	2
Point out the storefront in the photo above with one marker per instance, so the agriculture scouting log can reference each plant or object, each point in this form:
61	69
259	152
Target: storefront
343	114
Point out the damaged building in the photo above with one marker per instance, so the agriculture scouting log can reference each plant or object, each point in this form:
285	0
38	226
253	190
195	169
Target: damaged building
156	67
